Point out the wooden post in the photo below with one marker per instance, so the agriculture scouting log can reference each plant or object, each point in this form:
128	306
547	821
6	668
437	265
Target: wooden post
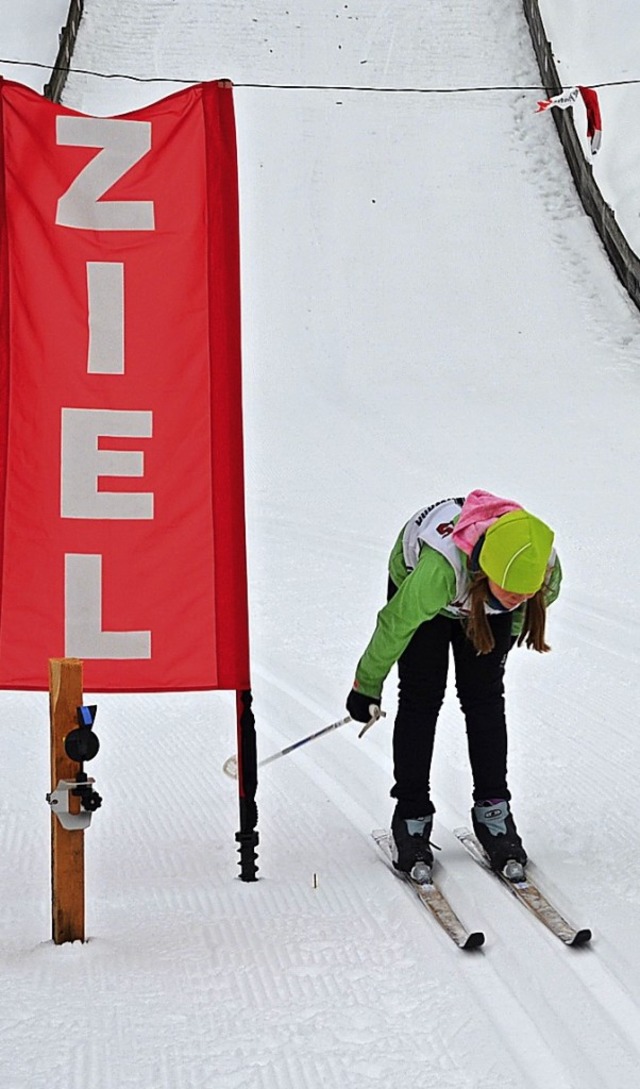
67	847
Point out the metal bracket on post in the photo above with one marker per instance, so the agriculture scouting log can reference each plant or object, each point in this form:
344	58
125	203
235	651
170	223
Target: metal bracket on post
58	799
80	744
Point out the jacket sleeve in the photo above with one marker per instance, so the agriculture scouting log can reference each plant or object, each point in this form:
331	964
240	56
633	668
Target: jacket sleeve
421	596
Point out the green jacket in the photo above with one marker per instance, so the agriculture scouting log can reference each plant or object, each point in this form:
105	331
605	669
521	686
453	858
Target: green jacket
422	593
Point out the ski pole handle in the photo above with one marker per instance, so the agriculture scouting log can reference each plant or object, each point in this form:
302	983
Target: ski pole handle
375	713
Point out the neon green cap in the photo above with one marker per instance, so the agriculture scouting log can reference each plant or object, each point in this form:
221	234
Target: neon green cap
516	552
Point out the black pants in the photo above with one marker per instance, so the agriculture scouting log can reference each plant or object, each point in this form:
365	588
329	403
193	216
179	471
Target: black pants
422	670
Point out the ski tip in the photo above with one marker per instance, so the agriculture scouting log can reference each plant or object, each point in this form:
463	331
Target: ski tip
581	937
474	940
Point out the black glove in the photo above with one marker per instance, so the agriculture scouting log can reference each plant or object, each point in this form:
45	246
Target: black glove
358	705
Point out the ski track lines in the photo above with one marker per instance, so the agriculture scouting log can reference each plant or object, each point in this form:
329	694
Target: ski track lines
279	985
275	985
604	631
401	966
603	1041
531	1014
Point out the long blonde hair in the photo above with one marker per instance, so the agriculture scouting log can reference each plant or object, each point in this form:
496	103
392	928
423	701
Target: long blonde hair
477	626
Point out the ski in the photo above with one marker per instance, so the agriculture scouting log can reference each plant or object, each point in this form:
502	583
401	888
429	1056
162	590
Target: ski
528	894
433	899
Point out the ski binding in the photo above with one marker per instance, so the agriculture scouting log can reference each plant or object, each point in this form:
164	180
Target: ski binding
421	881
516	880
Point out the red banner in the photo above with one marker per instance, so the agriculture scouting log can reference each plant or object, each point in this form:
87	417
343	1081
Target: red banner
122	536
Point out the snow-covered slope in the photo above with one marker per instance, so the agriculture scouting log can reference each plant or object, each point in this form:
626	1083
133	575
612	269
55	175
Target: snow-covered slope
426	310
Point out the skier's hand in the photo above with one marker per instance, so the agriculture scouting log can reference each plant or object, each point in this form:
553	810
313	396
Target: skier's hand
363	708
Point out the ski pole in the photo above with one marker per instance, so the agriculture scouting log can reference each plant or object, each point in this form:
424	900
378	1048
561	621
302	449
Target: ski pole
230	766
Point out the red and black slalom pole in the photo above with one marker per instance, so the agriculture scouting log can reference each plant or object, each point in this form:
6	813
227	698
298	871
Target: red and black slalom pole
248	837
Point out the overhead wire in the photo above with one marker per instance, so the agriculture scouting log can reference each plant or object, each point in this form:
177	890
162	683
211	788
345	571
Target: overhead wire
478	89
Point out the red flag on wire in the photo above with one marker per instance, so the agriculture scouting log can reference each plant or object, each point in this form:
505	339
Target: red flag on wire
590	98
121	465
594	121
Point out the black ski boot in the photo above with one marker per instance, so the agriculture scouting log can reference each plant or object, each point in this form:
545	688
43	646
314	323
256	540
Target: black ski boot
410	844
495	828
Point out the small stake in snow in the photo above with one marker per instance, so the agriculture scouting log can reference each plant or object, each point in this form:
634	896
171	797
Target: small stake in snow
230	766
